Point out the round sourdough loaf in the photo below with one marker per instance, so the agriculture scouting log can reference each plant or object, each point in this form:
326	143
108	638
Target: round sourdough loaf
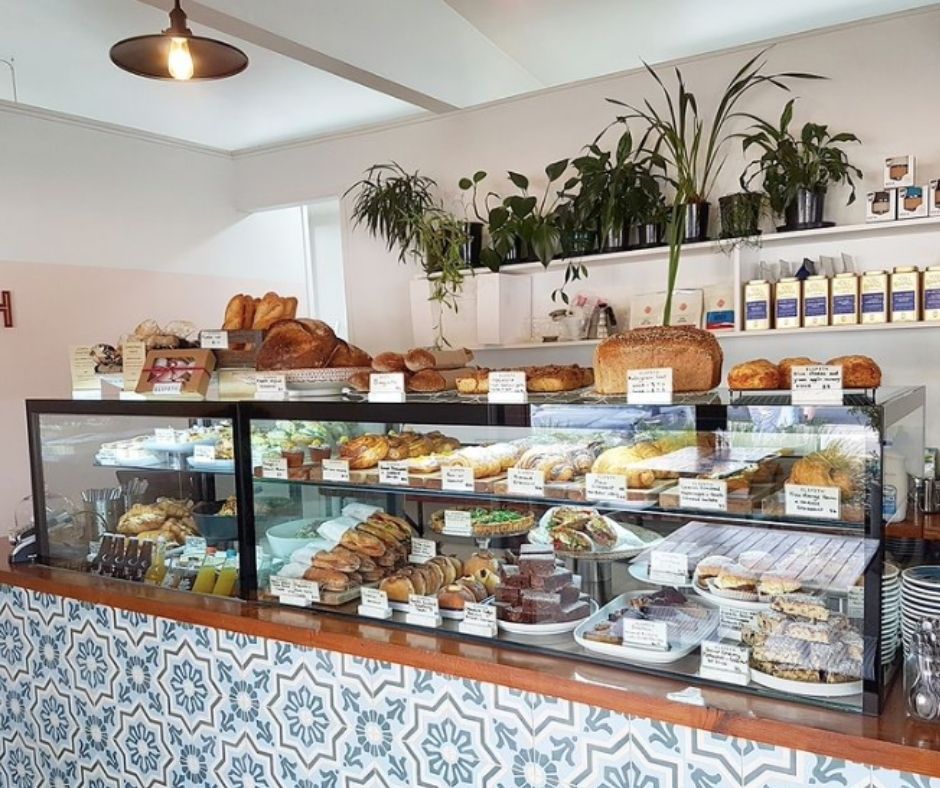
693	354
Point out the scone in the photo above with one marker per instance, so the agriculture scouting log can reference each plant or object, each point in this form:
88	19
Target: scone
758	375
786	369
858	372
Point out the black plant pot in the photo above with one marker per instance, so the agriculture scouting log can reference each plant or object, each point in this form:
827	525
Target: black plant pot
470	252
519	253
696	222
806	211
617	239
579	242
740	215
648	235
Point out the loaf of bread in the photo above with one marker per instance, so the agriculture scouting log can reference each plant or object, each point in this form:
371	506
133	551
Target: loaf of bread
291	344
420	358
786	369
271	309
433	380
239	313
858	372
389	362
346	355
757	375
693	354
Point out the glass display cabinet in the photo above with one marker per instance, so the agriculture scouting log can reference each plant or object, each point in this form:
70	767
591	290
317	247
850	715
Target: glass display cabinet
722	539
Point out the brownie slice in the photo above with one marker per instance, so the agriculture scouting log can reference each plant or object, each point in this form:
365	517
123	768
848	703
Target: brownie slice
569	595
537	565
544	606
575	611
508	595
557	580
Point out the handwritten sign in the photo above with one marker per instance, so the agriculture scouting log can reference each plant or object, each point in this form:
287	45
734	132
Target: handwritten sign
804	500
507	388
818	384
387	387
706	494
649	386
605	487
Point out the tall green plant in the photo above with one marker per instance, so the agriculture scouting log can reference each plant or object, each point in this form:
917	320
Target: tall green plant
693	146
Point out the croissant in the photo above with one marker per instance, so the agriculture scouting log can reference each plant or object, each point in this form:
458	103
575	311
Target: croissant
482	462
551	460
366	451
622	460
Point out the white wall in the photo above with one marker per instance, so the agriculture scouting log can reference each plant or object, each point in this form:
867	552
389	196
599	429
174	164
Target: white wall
101	230
864	94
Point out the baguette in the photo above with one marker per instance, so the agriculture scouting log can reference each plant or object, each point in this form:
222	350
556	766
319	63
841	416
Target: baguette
389	362
419	358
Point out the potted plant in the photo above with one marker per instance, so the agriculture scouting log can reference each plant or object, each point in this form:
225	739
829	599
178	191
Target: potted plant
740	214
401	208
694	149
796	170
647	209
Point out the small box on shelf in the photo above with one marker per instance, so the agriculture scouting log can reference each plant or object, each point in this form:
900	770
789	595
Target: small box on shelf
881	206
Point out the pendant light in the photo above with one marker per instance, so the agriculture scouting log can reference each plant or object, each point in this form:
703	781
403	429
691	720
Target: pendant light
177	54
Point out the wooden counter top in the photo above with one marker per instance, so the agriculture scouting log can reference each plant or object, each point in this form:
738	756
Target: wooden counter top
892	740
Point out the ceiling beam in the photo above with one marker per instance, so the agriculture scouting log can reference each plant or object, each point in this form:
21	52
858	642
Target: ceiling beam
233	26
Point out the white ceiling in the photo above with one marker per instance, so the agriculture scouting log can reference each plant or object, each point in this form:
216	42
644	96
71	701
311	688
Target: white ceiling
321	66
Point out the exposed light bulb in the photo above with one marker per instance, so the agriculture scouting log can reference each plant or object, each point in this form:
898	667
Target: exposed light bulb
180	62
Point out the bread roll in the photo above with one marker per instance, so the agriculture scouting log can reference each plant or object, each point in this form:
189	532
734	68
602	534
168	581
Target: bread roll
757	375
553	378
389	362
398	588
786	369
290	344
858	372
693	354
433	380
419	358
360	381
473	381
455	596
340	560
329	579
239	313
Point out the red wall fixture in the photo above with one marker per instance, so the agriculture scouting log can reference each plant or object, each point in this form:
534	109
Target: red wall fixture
6	308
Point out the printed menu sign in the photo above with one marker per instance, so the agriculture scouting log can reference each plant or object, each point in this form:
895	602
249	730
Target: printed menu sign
295	591
507	388
645	634
394	472
335	470
479	620
166	389
424	606
526	481
204	452
724	662
387	387
456	479
803	500
649	386
707	494
819	384
605	487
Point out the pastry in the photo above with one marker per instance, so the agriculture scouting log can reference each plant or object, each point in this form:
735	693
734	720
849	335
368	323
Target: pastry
786	365
552	461
483	463
831	467
473	381
758	375
361	542
489	579
711	566
365	451
389	362
694	356
434	575
328	579
801	605
858	372
482	559
455	596
735	577
419	358
553	378
625	461
398	588
474	586
360	381
396	524
775	583
448	571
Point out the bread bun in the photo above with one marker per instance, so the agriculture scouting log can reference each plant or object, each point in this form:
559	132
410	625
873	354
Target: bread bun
489	579
482	559
447	569
364	451
398	588
345	561
553	378
475	586
419	358
426	381
328	579
858	372
389	362
360	381
361	542
786	369
239	313
758	375
435	575
401	527
455	597
694	356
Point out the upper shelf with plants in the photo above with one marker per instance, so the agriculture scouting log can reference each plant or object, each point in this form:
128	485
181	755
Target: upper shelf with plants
644	182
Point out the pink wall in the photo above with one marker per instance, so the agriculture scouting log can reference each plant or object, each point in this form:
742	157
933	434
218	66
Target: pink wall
56	306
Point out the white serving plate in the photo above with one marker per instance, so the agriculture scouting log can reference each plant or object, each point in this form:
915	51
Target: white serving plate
633	654
283	544
806	688
137	462
927	576
187	447
217	466
541	630
723	601
641	573
627	538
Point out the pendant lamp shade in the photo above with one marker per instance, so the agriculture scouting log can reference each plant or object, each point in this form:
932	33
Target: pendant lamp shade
176	54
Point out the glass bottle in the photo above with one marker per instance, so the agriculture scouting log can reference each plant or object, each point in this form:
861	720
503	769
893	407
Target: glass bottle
131	558
205	578
104	550
113	563
228	575
144	559
157	569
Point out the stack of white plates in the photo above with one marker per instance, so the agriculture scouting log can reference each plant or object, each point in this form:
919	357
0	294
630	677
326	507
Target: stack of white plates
890	612
920	598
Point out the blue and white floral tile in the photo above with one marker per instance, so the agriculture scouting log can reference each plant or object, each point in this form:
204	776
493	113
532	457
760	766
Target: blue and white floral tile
15	646
90	659
711	759
45	608
187	679
245	650
143	747
98	777
374	675
196	757
767	766
656	756
888	778
241	765
97	728
135	627
53	709
57	772
20	763
577	742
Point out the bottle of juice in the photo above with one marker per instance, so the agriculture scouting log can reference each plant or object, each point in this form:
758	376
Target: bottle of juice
228	575
205	577
157	570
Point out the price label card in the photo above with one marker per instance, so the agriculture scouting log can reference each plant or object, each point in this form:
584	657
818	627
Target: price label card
423	605
270	385
605	487
213	340
134	357
165	435
649	386
372	597
526	481
387	387
166	389
479	614
336	470
731	620
803	500
645	634
194	546
507	388
855	606
707	494
204	452
422	550
394	472
457	523
669	568
274	468
456	479
295	591
82	366
816	385
724	662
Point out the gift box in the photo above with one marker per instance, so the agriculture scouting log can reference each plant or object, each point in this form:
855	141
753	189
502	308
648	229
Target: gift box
176	374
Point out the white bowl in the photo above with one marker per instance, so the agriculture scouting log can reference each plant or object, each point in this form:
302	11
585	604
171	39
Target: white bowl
284	540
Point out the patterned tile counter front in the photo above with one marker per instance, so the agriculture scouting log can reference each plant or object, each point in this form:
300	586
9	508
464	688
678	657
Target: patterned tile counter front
99	697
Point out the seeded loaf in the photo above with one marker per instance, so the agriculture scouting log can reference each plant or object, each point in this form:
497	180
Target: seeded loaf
693	354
